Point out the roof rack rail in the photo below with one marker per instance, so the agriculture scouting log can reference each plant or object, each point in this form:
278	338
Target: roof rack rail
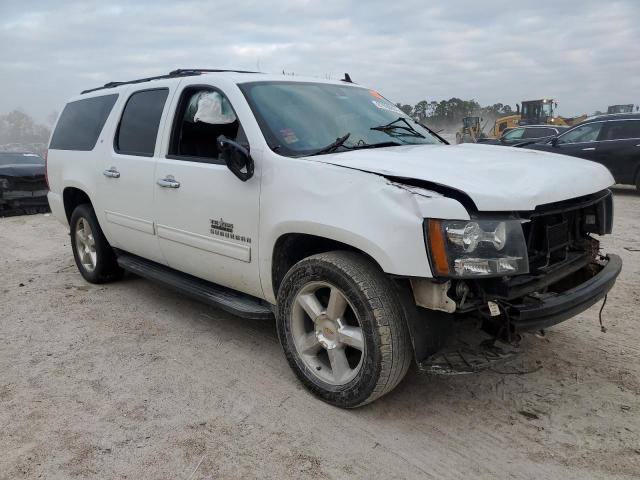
181	72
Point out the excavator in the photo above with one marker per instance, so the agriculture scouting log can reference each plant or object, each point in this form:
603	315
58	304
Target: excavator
533	112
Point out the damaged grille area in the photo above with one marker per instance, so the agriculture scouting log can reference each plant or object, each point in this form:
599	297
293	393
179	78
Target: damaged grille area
562	251
557	233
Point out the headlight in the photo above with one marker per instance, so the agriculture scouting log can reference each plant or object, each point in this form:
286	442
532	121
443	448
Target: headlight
462	248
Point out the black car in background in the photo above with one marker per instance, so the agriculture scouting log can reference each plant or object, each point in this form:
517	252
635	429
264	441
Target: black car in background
23	188
612	140
513	136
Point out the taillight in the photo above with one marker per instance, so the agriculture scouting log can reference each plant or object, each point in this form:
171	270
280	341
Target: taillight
46	171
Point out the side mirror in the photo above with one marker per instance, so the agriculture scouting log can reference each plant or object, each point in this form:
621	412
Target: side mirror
554	141
236	157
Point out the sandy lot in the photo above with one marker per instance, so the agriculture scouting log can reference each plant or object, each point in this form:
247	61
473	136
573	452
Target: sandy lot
129	380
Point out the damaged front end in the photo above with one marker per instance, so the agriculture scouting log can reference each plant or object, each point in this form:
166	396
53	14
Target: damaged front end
23	189
565	273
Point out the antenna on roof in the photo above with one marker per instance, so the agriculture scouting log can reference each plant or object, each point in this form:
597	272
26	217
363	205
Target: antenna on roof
347	78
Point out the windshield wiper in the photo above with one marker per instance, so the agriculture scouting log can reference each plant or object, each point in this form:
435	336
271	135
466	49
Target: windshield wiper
393	127
332	147
375	145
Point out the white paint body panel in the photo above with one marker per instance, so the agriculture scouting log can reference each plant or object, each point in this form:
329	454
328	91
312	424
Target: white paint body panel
355	205
496	178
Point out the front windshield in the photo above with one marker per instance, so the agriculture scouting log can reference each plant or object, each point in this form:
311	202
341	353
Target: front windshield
547	109
300	119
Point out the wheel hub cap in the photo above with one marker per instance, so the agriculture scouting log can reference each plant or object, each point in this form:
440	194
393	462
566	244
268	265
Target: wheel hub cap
85	245
327	333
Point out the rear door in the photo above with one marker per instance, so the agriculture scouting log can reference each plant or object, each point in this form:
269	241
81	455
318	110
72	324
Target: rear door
126	185
619	149
581	141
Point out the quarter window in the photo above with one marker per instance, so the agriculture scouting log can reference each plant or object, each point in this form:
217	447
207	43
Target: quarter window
81	122
139	124
584	133
621	130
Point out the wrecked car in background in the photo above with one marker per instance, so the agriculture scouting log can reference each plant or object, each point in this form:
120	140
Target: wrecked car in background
23	187
320	202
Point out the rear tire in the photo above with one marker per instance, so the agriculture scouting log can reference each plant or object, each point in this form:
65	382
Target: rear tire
638	182
94	257
369	333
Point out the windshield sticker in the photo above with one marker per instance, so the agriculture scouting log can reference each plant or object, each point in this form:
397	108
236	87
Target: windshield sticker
387	106
288	135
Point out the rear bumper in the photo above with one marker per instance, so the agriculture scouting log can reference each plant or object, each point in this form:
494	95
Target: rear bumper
552	308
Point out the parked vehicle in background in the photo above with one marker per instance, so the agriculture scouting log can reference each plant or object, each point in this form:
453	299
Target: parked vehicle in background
321	202
23	188
627	108
612	140
518	135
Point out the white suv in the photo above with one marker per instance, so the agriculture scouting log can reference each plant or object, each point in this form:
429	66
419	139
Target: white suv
320	202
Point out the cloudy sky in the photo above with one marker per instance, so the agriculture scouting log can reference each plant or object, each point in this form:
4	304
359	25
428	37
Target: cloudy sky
585	54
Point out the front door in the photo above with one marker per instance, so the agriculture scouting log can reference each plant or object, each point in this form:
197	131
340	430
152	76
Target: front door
207	218
580	142
126	185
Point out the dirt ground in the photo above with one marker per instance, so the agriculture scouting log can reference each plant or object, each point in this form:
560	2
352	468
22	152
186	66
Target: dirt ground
130	380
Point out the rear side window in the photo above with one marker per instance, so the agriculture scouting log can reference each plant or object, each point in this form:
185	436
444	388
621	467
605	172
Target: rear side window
81	122
139	124
538	132
621	130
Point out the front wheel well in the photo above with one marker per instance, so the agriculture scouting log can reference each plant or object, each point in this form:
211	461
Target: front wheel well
293	247
72	197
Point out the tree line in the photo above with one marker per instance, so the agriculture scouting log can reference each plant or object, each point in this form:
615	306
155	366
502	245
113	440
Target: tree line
20	132
446	113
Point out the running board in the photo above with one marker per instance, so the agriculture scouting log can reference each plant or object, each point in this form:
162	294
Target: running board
223	298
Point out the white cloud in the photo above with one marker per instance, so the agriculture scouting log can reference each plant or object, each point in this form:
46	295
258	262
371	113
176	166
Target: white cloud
583	53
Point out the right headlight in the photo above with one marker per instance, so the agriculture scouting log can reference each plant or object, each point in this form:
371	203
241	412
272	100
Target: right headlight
476	248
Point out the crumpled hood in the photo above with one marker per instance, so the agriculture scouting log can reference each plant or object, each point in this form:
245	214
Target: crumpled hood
496	178
22	170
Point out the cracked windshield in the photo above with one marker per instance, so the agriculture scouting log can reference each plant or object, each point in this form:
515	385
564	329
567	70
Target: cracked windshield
300	119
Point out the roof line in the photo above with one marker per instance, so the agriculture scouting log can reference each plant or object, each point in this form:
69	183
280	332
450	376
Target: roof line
181	72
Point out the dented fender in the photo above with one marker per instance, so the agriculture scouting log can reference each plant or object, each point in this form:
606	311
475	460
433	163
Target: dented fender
381	217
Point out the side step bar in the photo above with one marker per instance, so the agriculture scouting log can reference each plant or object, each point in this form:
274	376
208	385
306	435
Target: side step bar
224	298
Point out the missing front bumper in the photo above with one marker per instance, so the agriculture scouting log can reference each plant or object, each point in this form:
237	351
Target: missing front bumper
545	310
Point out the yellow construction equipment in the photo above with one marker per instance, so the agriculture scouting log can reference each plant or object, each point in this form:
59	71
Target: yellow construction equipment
533	112
471	130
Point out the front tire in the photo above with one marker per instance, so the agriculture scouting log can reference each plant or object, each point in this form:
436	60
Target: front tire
94	257
341	325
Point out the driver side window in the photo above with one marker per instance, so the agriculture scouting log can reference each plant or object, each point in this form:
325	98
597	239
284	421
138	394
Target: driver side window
581	134
202	115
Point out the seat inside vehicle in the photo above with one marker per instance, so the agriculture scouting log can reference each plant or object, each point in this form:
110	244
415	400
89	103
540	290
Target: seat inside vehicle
204	115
